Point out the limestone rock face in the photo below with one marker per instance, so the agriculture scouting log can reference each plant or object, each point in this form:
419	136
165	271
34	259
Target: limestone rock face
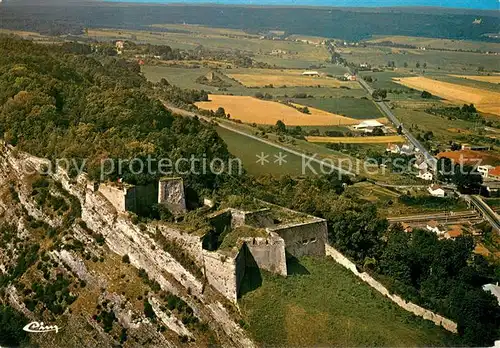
100	220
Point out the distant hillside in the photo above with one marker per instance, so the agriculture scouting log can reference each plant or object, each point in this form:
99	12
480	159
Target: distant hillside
348	24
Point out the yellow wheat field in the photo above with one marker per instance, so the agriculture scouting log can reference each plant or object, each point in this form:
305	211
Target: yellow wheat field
485	101
253	110
490	79
358	140
277	78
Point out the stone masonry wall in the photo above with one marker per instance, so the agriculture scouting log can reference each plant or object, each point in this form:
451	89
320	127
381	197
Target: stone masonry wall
268	253
409	306
171	193
220	271
304	239
115	195
240	268
259	218
140	199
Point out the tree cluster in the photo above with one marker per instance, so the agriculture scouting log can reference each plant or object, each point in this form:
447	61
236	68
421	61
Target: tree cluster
56	104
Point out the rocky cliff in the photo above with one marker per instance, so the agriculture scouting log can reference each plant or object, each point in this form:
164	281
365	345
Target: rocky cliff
68	258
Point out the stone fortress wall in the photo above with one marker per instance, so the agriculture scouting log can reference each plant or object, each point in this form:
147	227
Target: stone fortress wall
304	239
171	193
225	273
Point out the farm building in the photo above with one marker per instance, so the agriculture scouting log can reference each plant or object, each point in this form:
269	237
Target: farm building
349	77
368	126
436	190
310	73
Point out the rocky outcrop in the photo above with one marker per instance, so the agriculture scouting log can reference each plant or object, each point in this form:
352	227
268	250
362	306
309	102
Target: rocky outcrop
122	237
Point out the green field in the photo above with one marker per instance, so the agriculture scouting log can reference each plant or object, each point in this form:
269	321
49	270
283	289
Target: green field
247	149
442	128
383	80
435	43
351	107
297	54
186	78
321	303
437	61
467	82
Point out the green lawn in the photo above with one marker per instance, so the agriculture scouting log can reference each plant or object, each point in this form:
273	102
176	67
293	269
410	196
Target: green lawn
323	304
351	107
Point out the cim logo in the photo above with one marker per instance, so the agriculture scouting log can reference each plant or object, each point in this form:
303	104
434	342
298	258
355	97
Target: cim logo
40	327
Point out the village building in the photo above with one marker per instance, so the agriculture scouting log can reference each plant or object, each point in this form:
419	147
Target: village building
119	46
484	170
490	189
494	289
436	191
425	175
494	173
475	147
435	227
455	232
405	149
406	227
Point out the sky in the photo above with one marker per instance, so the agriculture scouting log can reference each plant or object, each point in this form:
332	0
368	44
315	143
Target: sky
472	4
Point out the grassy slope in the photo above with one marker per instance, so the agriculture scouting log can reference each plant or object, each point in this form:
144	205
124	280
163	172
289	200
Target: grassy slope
247	149
326	305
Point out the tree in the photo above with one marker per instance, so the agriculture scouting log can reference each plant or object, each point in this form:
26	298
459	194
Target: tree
467	179
426	95
425	65
400	129
405	64
378	131
11	327
220	112
163	82
417	65
379	94
280	127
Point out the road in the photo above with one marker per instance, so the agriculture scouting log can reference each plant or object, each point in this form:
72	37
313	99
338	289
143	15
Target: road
431	160
447	218
306	158
483	208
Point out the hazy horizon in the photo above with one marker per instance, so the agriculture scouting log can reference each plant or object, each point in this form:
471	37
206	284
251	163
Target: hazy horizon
466	4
